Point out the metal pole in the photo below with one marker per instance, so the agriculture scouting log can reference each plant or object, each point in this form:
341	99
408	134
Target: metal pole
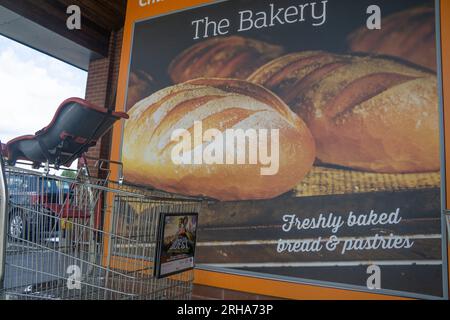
446	214
92	205
4	198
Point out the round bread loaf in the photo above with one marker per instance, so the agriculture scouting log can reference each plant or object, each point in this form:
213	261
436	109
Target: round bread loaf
364	112
409	35
227	57
220	104
140	85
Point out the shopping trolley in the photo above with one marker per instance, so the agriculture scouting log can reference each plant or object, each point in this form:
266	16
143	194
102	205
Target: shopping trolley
80	238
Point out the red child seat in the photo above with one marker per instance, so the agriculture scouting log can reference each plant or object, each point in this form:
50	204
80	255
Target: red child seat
76	127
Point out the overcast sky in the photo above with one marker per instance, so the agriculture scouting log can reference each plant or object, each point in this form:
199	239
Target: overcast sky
32	85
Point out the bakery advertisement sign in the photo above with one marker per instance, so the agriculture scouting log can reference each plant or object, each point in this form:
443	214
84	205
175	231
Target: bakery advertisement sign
312	129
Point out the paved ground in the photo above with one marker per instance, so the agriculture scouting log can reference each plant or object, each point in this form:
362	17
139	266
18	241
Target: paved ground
34	269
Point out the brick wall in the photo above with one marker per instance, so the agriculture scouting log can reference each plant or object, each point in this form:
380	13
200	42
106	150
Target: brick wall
101	90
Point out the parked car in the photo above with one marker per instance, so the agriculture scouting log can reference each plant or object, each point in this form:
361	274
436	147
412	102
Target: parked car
35	199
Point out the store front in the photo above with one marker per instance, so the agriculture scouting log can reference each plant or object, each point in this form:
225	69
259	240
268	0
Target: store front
313	132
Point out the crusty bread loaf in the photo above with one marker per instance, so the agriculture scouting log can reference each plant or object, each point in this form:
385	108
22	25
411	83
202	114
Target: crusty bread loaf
409	35
227	57
364	112
140	85
221	104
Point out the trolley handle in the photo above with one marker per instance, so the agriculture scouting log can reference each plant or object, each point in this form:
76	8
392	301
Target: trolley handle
104	165
4	198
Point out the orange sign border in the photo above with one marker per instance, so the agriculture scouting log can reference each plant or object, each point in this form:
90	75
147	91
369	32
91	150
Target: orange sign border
445	60
274	288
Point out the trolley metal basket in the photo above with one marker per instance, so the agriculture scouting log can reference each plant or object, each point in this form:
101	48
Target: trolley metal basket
80	238
58	247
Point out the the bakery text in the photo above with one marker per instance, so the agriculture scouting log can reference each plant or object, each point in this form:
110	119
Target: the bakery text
313	12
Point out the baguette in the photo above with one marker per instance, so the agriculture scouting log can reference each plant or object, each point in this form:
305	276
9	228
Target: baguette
366	113
219	104
409	35
229	57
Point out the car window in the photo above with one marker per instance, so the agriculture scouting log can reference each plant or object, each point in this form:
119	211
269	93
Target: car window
51	186
14	183
66	186
29	184
35	184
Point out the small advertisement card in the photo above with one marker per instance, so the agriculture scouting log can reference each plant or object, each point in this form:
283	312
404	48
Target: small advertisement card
177	238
